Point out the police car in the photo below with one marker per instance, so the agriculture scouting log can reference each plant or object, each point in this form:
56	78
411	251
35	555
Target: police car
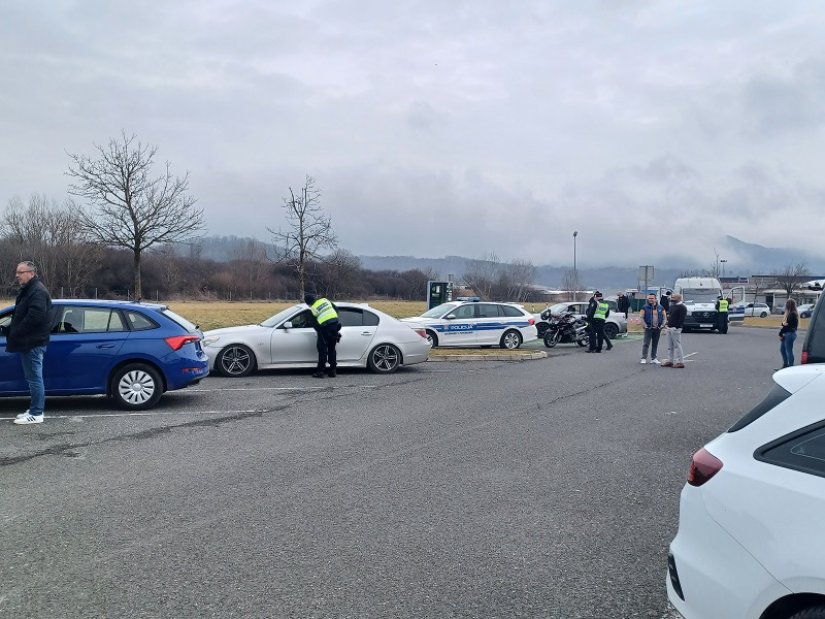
471	323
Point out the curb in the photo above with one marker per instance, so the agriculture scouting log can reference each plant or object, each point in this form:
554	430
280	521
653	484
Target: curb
539	354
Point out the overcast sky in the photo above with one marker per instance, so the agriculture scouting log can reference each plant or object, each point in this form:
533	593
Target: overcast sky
440	128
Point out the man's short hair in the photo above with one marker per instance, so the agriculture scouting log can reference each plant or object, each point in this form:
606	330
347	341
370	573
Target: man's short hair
30	265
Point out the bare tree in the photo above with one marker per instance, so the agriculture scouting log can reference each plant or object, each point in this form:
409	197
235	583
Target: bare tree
307	232
340	273
493	280
790	277
481	275
570	282
53	236
130	207
515	280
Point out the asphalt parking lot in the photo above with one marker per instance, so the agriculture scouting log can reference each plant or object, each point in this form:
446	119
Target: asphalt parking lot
543	488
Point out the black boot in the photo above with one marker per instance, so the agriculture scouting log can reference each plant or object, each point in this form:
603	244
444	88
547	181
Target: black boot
319	374
331	373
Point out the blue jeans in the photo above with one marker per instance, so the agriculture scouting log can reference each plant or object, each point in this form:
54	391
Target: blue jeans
786	348
33	371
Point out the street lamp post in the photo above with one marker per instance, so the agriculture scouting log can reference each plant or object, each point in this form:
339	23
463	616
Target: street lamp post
723	261
575	273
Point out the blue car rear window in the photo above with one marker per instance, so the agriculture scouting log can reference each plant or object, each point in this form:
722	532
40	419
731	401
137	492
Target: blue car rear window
139	322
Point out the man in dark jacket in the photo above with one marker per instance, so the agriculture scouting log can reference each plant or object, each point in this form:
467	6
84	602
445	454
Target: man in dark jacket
28	334
665	300
675	321
592	306
327	325
623	303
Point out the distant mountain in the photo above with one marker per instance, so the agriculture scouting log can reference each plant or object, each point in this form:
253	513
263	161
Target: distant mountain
742	258
752	258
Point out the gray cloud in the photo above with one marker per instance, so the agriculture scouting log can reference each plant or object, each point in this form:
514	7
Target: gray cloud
441	128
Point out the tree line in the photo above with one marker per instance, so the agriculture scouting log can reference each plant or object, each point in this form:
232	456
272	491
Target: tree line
72	264
122	239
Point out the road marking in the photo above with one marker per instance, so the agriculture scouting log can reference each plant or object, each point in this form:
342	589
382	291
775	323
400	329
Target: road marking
318	388
143	414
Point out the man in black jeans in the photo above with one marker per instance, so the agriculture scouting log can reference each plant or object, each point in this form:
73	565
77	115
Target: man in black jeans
327	325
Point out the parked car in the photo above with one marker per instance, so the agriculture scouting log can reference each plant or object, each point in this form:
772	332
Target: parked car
615	324
132	352
472	323
757	309
805	310
369	338
750	542
813	348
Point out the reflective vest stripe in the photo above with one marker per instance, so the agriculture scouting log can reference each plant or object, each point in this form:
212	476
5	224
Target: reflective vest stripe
601	311
323	311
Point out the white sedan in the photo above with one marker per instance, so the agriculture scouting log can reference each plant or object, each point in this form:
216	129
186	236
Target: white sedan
369	338
615	324
474	323
750	543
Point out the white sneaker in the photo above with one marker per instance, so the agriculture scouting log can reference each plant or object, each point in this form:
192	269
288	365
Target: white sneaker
24	421
656	361
643	361
23	414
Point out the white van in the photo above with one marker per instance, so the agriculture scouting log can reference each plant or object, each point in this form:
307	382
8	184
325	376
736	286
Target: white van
699	295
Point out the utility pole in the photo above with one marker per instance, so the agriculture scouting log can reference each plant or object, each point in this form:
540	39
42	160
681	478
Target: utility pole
575	273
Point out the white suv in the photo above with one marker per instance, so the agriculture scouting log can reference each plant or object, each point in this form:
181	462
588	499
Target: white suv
750	543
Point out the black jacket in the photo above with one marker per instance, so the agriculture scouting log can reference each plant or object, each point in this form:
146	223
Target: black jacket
623	303
592	306
793	324
676	316
32	319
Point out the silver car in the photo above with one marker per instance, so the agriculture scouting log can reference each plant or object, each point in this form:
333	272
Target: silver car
369	338
615	324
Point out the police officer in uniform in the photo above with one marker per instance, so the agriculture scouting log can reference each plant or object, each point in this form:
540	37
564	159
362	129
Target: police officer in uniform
592	306
599	317
326	323
722	314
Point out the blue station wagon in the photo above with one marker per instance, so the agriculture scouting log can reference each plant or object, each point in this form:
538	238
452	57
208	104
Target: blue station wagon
131	352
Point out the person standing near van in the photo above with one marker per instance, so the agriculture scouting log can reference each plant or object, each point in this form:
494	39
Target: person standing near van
653	318
623	303
787	334
722	306
28	335
675	321
665	300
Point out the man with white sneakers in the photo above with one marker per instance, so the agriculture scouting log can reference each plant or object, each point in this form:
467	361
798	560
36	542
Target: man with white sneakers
28	334
654	319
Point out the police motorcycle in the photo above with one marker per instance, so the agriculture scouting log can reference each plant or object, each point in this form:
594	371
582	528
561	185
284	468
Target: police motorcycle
565	329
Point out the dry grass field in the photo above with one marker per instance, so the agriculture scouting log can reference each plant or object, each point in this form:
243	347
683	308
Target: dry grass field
215	314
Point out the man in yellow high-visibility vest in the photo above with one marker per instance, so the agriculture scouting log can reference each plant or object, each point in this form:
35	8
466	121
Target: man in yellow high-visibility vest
722	314
327	325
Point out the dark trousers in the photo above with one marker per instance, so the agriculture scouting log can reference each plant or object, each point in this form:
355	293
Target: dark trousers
327	339
591	334
723	322
600	337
